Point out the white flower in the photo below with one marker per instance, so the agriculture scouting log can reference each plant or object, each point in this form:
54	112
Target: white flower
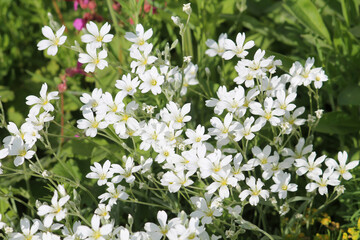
282	184
101	173
221	181
93	59
239	49
284	102
126	172
222	130
197	137
140	37
21	150
341	168
43	101
247	131
311	167
53	41
187	59
55	210
95	38
300	150
157	232
143	59
320	77
103	211
152	81
255	191
237	169
91	124
95	232
206	208
127	85
187	8
269	113
328	178
175	114
2	224
28	232
4	153
216	48
113	194
174	180
213	163
257	66
38	122
153	133
319	113
91	101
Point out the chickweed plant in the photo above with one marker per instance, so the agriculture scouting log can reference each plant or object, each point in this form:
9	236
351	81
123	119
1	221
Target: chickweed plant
252	163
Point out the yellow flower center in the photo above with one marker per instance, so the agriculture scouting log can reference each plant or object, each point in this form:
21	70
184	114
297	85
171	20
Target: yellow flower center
96	61
268	116
239	51
94	104
153	82
99	38
255	192
141	42
263	161
56	41
129	88
249	77
114	109
198	139
317	78
102	176
125	117
209	213
58	209
179	119
166	153
283	106
154	136
97	235
94	124
284	187
223	182
22	153
45	102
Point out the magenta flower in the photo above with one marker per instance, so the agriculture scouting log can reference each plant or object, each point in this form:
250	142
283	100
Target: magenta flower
79	23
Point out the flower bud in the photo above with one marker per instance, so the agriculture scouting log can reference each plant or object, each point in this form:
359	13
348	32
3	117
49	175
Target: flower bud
187	8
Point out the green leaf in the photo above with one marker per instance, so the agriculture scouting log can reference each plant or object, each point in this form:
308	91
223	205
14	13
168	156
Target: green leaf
338	123
6	94
307	13
350	96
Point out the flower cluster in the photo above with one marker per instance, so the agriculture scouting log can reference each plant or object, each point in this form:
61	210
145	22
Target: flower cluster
217	170
20	143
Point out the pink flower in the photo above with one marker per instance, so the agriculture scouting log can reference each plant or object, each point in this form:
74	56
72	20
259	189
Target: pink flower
83	4
79	23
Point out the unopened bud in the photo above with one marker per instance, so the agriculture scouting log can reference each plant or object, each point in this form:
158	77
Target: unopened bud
187	8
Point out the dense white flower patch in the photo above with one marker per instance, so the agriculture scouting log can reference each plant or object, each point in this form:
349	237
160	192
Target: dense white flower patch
232	161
